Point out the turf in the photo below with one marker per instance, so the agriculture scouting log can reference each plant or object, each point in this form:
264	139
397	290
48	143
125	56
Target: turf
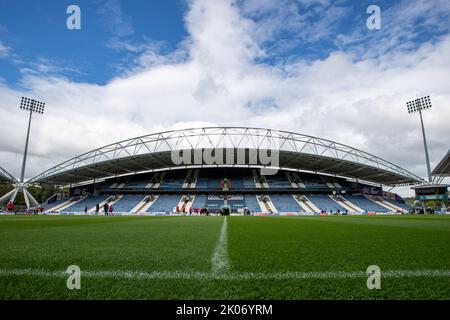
186	245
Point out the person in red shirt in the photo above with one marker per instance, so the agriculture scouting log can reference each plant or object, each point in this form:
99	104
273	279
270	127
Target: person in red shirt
110	210
10	206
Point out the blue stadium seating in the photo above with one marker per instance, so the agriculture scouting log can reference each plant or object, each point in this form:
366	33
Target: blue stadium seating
89	202
365	204
236	204
236	183
325	203
213	184
47	206
127	203
173	180
210	181
137	182
199	201
285	203
398	204
333	180
248	182
202	183
278	181
251	203
165	203
214	204
313	182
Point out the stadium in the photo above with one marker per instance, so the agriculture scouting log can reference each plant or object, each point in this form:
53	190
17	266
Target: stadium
224	150
308	217
223	213
314	176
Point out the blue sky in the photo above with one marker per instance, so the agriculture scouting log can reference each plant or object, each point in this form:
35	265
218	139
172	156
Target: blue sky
308	66
36	33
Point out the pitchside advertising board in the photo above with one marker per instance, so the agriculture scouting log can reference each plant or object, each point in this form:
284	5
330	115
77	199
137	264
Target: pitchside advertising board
432	192
229	197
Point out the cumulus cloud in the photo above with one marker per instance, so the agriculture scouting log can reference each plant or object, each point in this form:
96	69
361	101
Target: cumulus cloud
359	101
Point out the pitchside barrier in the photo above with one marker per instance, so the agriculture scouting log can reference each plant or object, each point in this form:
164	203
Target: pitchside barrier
215	214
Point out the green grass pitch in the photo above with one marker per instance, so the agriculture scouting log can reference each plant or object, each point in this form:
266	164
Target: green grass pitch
210	258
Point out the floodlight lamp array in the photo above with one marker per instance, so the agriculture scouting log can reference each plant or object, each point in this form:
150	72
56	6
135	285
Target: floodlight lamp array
32	105
419	104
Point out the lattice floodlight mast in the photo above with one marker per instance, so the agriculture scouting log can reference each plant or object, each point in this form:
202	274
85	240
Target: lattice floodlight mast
31	106
418	105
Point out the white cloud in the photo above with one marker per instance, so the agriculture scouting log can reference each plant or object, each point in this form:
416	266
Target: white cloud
359	102
5	51
146	53
114	19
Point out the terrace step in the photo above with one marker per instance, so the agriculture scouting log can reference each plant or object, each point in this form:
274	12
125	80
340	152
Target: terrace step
350	207
307	205
69	204
144	205
387	205
101	204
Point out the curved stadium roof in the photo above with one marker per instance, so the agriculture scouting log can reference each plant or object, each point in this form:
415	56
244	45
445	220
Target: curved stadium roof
443	167
296	152
6	177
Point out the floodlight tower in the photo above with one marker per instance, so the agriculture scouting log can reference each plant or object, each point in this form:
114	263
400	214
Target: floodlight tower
31	106
418	105
35	106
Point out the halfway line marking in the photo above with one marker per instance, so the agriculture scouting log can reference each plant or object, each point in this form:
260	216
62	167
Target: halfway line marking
219	260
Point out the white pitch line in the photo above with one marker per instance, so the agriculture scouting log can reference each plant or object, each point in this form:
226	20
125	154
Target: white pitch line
187	275
219	259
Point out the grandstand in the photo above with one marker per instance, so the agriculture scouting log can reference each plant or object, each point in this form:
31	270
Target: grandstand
278	193
312	176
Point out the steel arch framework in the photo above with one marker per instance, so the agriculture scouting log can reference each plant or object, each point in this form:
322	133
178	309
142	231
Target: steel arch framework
6	177
297	152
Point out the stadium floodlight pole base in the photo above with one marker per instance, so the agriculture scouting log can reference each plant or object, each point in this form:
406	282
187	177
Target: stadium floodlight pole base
30	201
